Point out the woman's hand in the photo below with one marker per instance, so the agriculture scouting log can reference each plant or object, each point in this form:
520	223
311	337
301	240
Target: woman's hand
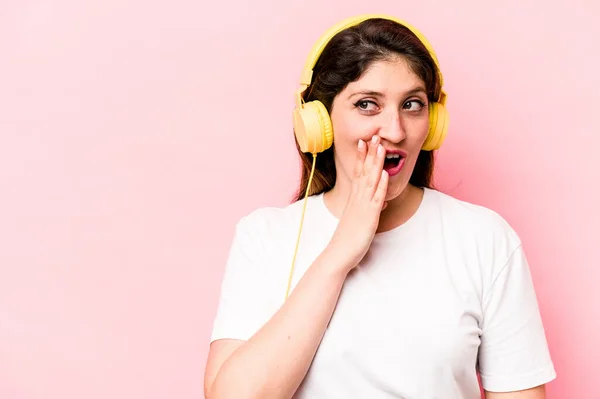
360	218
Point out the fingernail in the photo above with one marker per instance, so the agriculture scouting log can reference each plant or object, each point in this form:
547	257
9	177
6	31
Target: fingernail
374	139
361	144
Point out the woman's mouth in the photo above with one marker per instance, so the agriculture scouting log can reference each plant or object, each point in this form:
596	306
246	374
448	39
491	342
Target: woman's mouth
394	161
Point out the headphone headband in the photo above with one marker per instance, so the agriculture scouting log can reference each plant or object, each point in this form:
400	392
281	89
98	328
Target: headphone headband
315	53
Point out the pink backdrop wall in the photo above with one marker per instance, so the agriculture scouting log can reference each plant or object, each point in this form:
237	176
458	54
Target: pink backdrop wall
134	134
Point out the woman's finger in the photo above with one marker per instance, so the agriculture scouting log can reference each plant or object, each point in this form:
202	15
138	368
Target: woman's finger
375	167
361	154
382	187
373	145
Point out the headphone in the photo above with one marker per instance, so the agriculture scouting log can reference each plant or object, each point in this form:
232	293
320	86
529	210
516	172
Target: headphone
312	124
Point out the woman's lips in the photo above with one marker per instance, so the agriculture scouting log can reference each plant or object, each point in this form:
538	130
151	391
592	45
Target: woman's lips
394	161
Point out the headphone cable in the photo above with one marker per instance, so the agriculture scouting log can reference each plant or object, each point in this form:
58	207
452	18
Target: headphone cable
312	171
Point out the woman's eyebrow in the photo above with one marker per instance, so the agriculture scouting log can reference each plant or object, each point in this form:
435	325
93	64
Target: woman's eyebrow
374	93
367	93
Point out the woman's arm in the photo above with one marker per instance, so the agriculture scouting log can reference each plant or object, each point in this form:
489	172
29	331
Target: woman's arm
273	363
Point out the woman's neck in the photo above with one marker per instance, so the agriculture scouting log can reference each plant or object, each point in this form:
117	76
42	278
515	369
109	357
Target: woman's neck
400	209
396	213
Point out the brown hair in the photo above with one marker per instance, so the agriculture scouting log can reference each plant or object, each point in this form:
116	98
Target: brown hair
345	58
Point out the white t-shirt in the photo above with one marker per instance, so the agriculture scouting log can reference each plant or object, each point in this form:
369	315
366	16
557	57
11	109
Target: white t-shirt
445	295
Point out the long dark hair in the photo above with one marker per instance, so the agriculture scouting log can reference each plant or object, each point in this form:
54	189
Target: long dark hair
344	60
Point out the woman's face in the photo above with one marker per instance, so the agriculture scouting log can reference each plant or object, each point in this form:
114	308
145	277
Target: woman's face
388	100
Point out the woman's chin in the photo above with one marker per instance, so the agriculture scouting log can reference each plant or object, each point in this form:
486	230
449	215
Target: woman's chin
394	191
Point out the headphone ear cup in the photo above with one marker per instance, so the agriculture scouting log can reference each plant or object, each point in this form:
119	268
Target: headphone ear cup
312	127
438	126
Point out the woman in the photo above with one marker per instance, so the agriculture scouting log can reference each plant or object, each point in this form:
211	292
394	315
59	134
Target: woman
397	290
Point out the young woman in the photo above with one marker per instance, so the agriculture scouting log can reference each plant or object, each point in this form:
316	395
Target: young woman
397	290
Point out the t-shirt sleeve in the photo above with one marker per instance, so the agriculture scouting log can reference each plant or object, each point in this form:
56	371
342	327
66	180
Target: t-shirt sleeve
243	305
514	354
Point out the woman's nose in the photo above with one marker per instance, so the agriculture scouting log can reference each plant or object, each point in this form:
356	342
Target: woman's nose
392	129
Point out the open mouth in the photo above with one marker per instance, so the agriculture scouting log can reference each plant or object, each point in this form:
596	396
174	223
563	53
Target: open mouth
393	163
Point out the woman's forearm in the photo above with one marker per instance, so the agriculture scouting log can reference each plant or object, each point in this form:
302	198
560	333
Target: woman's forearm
273	363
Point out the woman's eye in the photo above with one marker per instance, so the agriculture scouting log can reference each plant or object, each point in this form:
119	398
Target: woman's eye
365	105
413	105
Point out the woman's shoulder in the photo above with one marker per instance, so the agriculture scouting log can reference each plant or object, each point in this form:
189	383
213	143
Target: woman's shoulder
276	219
471	218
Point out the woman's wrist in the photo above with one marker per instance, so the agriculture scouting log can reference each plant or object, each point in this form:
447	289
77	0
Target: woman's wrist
338	259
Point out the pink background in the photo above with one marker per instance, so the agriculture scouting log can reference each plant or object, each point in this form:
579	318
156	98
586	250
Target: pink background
134	134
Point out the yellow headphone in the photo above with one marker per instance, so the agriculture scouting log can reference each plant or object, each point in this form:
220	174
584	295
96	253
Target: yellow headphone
312	123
